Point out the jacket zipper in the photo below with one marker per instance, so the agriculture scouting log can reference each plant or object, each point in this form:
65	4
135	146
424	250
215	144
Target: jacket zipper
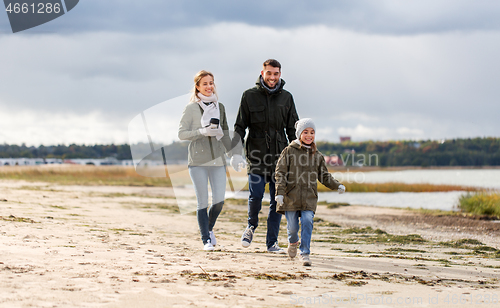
268	138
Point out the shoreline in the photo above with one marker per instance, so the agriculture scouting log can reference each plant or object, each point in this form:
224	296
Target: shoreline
403	168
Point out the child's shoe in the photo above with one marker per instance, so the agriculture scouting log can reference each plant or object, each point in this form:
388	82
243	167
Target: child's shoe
306	261
292	249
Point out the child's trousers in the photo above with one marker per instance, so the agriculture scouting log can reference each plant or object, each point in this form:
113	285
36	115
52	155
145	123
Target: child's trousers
292	225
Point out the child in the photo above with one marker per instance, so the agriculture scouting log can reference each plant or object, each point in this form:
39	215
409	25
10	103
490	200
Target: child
299	167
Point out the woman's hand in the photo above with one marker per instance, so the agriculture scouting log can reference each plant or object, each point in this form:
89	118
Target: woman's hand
207	131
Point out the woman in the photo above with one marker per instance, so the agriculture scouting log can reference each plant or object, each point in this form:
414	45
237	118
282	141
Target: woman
204	123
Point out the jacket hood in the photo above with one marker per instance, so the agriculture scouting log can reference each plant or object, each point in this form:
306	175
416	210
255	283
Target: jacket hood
263	89
295	144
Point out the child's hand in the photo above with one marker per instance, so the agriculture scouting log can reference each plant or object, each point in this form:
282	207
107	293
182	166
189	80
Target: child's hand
341	189
279	200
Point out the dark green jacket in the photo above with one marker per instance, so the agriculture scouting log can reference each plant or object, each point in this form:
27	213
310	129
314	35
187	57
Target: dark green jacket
270	119
297	173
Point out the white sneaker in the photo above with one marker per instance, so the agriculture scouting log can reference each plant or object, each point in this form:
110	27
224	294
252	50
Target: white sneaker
208	246
213	240
306	261
292	249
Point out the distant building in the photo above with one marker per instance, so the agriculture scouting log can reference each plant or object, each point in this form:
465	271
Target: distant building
108	161
93	161
333	161
345	139
51	161
143	163
29	161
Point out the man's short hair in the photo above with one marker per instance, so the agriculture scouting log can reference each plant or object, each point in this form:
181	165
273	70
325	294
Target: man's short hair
273	63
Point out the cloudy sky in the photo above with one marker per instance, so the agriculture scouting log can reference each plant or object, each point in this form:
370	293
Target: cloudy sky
372	70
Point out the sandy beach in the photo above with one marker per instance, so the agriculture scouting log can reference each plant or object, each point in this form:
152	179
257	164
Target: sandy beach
117	246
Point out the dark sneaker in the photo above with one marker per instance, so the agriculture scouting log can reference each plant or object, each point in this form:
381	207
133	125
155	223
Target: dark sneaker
275	248
292	249
246	238
306	261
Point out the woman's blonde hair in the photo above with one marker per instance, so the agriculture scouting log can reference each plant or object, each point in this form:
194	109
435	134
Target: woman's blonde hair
197	78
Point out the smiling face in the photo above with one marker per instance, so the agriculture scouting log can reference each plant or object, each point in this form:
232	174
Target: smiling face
307	136
271	76
206	85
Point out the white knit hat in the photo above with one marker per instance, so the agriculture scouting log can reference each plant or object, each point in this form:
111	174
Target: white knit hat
302	124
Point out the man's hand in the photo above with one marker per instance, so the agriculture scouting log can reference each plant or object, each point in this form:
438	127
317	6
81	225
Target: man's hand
238	163
279	200
341	189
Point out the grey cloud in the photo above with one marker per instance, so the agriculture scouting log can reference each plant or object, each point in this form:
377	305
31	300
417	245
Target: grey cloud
377	17
442	84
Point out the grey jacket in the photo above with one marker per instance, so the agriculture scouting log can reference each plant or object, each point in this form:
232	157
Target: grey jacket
203	150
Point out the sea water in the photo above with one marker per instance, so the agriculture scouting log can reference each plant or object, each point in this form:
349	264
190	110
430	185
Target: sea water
487	178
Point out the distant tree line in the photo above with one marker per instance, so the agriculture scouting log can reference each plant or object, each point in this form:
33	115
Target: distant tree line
173	151
65	152
425	153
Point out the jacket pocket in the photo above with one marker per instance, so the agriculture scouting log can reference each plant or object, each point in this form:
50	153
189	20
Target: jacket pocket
314	187
257	114
281	142
292	196
282	111
199	151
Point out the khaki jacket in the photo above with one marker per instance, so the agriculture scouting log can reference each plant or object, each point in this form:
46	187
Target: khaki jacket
297	173
203	150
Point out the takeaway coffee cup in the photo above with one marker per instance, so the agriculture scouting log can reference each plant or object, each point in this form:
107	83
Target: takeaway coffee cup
214	123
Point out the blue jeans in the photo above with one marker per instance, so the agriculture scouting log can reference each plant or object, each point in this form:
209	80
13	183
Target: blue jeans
200	175
292	226
256	186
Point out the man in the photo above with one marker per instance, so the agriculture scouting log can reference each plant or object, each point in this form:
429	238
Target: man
268	111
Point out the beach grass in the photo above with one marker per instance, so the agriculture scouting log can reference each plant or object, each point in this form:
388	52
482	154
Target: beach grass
81	175
480	203
333	205
390	187
127	176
